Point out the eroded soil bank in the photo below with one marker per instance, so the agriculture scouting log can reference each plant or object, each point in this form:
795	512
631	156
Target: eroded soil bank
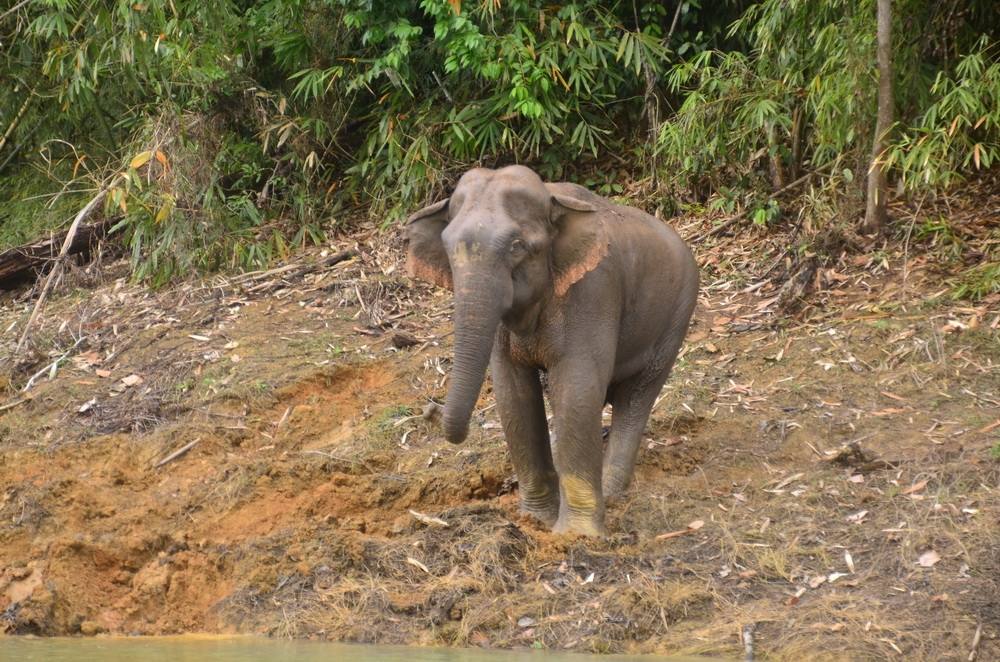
826	470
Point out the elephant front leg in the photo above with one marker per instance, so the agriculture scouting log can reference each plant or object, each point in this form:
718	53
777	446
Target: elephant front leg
522	413
577	407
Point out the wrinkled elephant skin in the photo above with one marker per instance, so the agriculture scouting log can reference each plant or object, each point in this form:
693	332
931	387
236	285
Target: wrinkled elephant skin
551	277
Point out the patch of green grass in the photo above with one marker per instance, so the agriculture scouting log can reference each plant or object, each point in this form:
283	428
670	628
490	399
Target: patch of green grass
978	282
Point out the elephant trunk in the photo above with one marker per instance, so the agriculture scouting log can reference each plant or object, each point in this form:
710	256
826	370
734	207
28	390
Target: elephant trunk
479	304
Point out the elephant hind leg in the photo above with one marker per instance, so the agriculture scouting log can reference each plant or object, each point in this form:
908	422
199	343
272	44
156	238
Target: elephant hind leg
631	403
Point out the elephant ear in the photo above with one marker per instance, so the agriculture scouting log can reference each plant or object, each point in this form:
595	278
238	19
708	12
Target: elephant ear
426	257
580	242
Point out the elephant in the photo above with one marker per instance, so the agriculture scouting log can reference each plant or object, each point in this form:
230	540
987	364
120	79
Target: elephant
550	277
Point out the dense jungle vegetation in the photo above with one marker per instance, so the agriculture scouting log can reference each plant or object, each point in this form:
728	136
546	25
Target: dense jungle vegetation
224	134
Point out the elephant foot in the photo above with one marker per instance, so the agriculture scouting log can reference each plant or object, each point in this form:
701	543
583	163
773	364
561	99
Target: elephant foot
540	499
584	526
615	483
582	509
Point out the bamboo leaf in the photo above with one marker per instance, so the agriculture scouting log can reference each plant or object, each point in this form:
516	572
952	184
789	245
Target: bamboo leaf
140	159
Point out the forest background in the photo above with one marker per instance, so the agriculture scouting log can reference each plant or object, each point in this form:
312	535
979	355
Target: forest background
224	135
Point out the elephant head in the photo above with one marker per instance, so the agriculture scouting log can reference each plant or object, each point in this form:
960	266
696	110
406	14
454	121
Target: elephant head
507	245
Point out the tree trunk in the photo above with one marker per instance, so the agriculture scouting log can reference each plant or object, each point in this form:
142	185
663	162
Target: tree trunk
875	214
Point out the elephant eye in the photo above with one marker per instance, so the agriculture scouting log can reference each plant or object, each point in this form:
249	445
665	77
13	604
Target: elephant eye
517	248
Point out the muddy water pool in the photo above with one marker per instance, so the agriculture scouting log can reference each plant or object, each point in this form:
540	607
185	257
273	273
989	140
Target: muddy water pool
249	649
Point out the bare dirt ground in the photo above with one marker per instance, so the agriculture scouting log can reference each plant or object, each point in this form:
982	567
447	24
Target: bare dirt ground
820	472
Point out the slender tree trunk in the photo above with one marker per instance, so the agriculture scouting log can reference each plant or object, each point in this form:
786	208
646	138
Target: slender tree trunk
777	167
875	215
796	165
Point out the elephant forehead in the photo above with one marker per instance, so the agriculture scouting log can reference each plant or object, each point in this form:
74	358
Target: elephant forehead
498	202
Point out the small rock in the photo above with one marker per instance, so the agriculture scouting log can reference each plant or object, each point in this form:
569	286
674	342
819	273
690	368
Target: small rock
526	622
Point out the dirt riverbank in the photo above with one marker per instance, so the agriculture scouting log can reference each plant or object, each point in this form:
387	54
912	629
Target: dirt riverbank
823	473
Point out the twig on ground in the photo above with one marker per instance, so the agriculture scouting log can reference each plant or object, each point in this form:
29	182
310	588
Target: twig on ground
975	642
293	271
177	453
11	405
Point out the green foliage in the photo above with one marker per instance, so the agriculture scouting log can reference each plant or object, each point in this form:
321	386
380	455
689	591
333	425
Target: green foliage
438	90
29	206
978	282
809	64
959	132
263	122
801	96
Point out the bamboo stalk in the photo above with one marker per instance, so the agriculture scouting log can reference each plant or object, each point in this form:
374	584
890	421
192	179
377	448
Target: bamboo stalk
17	118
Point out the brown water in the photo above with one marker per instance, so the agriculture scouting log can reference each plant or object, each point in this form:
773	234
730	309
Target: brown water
250	649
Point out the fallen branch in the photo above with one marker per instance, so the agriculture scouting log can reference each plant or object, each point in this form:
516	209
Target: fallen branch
177	453
70	234
11	405
288	271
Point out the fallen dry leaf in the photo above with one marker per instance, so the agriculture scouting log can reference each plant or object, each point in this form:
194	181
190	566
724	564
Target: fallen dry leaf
916	487
417	564
132	380
928	559
430	520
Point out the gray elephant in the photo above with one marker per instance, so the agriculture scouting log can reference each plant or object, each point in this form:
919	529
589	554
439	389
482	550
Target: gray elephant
551	277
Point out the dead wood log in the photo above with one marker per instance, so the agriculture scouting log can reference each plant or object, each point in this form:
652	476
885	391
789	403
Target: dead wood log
25	263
